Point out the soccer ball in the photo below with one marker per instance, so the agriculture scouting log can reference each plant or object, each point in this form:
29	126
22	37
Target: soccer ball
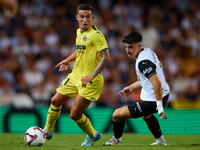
35	136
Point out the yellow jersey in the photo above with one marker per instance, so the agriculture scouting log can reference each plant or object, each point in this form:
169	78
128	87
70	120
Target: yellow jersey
89	43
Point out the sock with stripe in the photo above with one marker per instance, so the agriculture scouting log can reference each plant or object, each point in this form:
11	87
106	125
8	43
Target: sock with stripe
52	116
85	124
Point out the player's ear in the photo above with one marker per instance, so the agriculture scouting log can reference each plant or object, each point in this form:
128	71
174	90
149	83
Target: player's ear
140	45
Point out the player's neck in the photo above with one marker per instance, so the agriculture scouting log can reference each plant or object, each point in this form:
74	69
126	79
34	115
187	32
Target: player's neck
82	30
139	52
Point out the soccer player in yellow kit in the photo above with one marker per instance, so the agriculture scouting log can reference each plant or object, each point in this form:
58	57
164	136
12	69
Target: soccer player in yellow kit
85	82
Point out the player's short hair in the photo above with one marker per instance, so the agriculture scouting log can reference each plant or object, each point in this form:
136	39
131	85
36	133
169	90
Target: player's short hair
133	37
85	7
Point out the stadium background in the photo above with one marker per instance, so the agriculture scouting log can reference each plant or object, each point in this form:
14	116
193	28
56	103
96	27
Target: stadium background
43	33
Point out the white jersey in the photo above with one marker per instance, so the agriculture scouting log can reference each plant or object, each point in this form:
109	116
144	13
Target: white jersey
148	64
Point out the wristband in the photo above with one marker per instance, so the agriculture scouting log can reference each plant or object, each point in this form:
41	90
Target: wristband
159	106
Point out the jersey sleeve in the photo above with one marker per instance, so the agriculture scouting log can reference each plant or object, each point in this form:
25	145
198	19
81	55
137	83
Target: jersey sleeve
99	41
147	67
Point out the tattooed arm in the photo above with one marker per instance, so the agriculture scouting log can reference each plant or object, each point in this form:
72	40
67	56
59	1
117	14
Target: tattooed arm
102	64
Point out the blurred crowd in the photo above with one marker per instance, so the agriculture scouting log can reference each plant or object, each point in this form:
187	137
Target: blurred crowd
43	33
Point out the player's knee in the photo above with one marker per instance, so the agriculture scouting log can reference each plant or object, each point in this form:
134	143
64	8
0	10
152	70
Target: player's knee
55	102
74	115
116	116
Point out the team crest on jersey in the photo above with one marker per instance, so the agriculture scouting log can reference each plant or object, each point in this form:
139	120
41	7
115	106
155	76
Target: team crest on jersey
84	38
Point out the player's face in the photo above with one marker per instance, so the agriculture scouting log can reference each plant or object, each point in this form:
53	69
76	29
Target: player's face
84	18
133	49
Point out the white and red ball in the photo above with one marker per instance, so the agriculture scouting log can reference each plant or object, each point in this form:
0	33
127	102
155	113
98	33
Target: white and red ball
35	136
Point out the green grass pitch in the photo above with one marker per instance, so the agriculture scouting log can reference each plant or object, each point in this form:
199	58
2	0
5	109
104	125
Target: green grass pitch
130	141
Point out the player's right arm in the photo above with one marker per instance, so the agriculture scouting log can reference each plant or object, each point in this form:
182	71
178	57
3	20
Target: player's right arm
66	62
129	89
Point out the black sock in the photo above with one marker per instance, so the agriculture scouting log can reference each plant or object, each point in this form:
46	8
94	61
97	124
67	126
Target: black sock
118	128
154	126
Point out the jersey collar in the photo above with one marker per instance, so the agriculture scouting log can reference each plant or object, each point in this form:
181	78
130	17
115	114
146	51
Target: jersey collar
139	52
87	29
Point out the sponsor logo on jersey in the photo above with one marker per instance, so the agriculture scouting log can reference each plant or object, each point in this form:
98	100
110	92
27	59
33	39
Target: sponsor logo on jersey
148	70
80	47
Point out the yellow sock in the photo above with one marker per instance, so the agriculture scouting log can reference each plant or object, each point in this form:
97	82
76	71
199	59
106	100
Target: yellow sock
52	116
85	124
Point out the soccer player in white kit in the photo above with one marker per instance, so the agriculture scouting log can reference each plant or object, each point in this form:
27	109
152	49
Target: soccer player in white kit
154	93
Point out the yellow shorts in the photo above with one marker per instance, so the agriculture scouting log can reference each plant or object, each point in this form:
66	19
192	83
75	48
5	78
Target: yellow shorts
72	87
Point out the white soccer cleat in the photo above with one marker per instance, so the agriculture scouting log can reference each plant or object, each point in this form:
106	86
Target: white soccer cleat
158	143
89	141
113	141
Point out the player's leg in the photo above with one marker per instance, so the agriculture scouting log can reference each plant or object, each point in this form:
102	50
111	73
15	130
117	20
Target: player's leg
65	91
154	127
76	113
54	112
119	116
152	122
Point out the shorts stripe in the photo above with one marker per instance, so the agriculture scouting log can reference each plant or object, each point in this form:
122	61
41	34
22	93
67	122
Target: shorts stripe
144	108
138	106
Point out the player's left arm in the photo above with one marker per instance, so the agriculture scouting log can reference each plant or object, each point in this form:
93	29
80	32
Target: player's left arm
157	87
102	64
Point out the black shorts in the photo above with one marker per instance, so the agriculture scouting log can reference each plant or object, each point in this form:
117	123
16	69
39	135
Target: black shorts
144	108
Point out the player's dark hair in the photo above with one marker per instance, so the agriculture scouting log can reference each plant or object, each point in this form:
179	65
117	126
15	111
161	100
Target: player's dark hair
85	7
133	37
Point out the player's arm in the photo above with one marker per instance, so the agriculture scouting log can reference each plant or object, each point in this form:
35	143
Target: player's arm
10	7
157	87
102	64
66	62
136	85
148	68
129	89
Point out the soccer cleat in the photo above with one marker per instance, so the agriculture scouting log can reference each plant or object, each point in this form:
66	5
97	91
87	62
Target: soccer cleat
49	134
158	143
89	141
113	141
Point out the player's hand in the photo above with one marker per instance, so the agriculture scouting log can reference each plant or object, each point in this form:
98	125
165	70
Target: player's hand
125	92
63	65
163	115
86	79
